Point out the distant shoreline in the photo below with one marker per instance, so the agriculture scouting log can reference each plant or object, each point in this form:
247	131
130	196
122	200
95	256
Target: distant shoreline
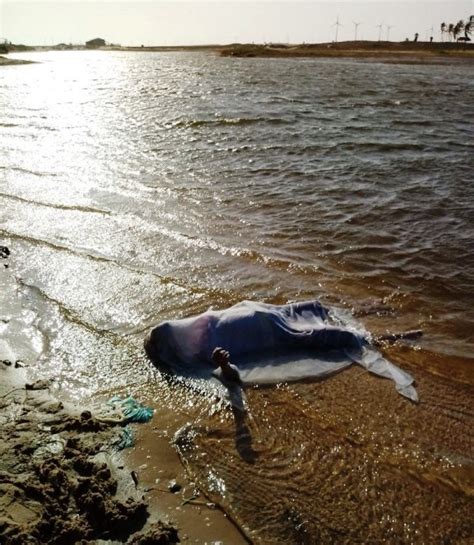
388	52
411	52
5	61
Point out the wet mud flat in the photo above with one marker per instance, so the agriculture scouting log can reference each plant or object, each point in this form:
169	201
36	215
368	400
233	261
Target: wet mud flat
346	460
59	481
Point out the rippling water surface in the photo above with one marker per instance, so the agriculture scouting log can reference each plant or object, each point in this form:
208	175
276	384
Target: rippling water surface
136	187
155	185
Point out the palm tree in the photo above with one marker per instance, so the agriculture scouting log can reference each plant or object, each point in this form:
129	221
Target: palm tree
443	30
468	27
450	30
459	27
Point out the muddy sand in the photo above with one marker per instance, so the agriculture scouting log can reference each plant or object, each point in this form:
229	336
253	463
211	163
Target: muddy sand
58	480
64	478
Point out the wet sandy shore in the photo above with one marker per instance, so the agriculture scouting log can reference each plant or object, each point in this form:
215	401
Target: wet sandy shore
342	461
345	460
66	475
4	61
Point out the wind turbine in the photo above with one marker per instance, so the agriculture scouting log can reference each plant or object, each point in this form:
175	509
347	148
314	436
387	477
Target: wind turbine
380	30
337	24
356	26
388	31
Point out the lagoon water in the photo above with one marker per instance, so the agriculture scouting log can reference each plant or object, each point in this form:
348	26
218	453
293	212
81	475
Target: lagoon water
138	187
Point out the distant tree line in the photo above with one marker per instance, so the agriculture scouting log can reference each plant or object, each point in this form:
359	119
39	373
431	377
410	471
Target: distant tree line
454	31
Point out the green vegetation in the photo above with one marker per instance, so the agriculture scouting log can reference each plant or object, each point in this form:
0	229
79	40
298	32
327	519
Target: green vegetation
454	30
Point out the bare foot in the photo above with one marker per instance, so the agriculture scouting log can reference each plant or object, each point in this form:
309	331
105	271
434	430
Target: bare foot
222	359
220	356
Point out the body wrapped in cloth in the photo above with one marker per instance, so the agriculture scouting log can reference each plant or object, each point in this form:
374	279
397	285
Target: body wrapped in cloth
270	344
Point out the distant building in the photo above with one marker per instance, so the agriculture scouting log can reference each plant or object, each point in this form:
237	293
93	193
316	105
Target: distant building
95	43
63	47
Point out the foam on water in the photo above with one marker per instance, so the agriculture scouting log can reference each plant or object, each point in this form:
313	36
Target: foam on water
21	339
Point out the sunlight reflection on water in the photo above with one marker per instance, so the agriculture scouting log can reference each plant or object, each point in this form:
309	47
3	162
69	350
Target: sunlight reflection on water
139	187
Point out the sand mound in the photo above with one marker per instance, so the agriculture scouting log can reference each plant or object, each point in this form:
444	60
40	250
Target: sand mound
57	484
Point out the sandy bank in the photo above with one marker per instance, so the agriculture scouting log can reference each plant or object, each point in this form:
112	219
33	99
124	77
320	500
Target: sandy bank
5	61
59	480
388	52
406	52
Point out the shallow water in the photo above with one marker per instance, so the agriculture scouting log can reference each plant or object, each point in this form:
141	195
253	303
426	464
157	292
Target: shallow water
140	187
173	182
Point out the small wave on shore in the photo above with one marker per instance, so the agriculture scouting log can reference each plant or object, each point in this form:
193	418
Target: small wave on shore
21	339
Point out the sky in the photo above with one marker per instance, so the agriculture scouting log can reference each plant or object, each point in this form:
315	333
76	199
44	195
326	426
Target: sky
190	22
